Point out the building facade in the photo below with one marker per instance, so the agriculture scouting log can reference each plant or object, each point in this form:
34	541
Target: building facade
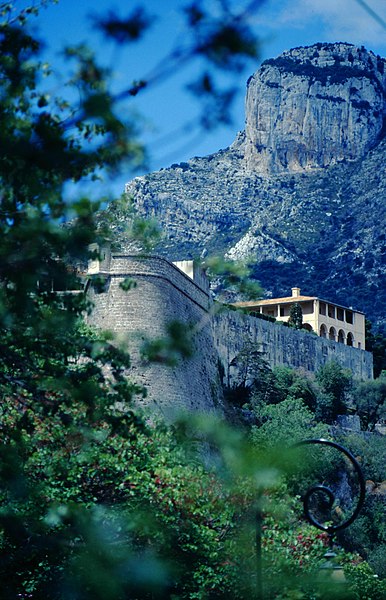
332	321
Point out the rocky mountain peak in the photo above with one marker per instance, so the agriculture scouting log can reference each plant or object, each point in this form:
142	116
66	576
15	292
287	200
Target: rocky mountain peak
314	106
300	194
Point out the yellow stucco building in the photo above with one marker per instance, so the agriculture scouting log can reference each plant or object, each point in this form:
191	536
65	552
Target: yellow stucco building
328	320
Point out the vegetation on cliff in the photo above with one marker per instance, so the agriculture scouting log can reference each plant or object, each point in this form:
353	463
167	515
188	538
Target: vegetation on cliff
326	75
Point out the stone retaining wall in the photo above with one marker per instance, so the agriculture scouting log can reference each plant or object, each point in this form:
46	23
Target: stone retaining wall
280	345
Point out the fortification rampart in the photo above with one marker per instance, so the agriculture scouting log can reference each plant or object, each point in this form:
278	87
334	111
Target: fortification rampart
279	345
163	293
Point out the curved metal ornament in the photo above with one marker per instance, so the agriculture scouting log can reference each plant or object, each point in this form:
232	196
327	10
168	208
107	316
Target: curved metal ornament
332	529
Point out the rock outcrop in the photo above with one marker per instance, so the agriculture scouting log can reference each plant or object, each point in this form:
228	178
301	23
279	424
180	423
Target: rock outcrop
312	107
301	193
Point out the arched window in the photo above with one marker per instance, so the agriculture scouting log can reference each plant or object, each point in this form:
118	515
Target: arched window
323	331
307	326
332	333
341	336
350	339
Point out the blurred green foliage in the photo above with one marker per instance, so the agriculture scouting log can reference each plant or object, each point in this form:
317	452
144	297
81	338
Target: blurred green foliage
231	279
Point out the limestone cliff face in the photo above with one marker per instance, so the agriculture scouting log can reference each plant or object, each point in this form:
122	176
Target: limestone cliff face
312	107
301	194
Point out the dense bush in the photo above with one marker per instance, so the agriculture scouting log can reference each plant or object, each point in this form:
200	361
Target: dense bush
370	402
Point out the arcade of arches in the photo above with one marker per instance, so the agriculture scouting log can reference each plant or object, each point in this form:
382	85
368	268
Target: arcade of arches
338	336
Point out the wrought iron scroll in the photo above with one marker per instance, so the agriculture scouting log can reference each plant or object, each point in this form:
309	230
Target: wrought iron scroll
315	489
328	493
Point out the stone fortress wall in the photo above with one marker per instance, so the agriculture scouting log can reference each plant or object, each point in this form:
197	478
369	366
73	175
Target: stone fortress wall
234	332
164	293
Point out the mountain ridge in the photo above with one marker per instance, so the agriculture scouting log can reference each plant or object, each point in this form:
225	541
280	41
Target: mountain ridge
316	226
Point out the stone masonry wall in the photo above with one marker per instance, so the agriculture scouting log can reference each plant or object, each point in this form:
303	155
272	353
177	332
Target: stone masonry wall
164	293
280	345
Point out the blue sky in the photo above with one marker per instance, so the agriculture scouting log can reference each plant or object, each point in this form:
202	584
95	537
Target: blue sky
166	108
